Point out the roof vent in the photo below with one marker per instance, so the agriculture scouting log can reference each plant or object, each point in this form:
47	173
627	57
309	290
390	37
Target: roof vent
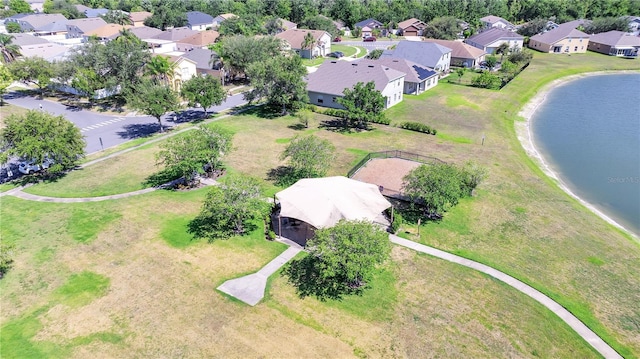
371	66
334	62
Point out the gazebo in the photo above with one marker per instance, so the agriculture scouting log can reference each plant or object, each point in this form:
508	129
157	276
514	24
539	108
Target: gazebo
313	203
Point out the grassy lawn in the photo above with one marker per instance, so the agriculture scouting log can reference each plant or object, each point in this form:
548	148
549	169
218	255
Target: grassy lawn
346	49
121	278
314	62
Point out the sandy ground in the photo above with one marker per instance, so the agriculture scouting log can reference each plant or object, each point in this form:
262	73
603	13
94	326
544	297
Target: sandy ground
523	131
386	172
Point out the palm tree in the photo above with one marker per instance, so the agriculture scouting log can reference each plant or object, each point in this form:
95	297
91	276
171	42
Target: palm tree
502	50
160	69
117	17
308	43
217	61
10	51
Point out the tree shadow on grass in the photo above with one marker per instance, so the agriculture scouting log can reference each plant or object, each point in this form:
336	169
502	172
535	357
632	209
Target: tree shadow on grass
266	112
305	275
162	179
336	125
138	130
298	127
283	176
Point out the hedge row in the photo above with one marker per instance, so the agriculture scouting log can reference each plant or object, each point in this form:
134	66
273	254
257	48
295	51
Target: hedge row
419	127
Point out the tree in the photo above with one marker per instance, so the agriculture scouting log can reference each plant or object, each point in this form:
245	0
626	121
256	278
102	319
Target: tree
533	27
20	6
64	7
239	52
460	73
5	81
439	186
37	135
308	43
87	82
502	50
13	27
274	26
153	99
604	24
362	103
10	51
161	69
491	61
375	54
308	157
191	153
35	70
280	80
341	260
204	91
304	116
487	80
117	17
167	14
320	22
446	28
230	209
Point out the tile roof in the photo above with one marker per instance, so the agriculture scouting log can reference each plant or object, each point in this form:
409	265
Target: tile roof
136	16
615	38
202	38
198	18
494	34
295	37
413	72
563	31
332	77
459	49
424	53
145	32
175	34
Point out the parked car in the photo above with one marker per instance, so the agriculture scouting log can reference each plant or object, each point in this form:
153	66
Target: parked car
337	39
369	39
336	54
28	167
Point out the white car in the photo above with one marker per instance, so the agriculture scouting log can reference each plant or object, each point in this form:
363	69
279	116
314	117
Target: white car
28	167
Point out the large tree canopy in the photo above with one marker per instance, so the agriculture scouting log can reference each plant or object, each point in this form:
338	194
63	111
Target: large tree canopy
280	81
153	99
362	103
239	52
308	157
341	260
37	135
204	91
34	70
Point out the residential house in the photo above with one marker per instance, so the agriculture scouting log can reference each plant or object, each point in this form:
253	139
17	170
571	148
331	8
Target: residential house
564	39
89	12
200	40
427	54
496	21
184	70
462	55
145	32
38	22
634	25
418	78
489	40
202	59
288	25
220	18
54	30
328	83
25	40
137	18
370	23
167	40
411	27
107	32
294	40
49	51
78	27
199	21
615	43
36	5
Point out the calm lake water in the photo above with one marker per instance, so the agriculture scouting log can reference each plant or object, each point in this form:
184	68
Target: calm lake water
588	132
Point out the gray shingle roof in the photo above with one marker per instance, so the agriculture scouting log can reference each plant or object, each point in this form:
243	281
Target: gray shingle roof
423	53
494	34
175	34
615	38
21	39
145	32
413	72
568	29
86	25
198	18
459	49
493	19
368	22
332	77
201	57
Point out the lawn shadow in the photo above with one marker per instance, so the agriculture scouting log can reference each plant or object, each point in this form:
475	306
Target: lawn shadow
138	130
266	112
165	179
298	127
283	176
336	125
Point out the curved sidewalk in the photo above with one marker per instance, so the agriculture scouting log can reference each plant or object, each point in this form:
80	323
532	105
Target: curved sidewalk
589	336
17	192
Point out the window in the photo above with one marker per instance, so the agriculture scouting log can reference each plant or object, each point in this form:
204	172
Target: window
333	100
320	99
576	48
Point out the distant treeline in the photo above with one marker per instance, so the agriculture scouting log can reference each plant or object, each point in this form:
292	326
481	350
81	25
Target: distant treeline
385	11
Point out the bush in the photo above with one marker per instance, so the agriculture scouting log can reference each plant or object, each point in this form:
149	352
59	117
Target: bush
397	222
418	127
335	112
343	114
487	80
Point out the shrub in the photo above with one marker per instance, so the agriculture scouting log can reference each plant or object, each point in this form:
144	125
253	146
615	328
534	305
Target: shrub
418	127
397	222
487	80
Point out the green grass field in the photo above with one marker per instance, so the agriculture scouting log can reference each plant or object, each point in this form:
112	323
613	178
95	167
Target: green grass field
121	278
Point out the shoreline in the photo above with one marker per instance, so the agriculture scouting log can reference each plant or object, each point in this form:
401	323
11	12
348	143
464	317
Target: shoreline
524	135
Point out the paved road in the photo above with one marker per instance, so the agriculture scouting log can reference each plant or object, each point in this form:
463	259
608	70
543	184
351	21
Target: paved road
114	130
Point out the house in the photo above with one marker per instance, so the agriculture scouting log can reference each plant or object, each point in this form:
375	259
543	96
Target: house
370	23
89	12
489	40
615	43
634	25
145	32
563	39
418	78
49	51
137	18
166	41
78	27
411	27
462	55
202	59
107	32
288	25
176	34
36	5
496	21
294	40
328	83
24	40
183	70
200	40
199	21
427	54
220	18
38	22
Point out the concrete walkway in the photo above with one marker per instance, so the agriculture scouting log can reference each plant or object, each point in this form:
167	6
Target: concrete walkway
17	192
589	336
250	288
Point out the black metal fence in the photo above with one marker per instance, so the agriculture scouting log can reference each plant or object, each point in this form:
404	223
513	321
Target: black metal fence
392	154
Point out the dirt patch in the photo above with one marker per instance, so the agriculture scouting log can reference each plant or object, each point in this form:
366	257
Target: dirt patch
386	172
